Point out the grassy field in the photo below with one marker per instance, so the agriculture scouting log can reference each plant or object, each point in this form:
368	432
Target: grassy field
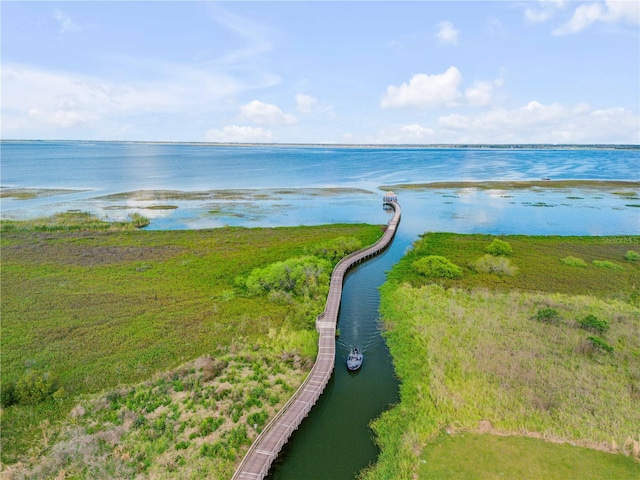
513	350
88	308
474	456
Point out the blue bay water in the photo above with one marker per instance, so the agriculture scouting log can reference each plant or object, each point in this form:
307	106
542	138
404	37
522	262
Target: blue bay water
104	168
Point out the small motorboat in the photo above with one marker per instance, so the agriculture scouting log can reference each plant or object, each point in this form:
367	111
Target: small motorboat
354	359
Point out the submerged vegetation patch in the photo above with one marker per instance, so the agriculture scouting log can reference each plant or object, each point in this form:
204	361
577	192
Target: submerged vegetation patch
244	194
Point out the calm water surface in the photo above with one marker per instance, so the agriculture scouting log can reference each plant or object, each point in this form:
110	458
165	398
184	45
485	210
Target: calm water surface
334	442
105	168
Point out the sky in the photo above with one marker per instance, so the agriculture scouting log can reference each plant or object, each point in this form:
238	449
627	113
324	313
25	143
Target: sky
418	72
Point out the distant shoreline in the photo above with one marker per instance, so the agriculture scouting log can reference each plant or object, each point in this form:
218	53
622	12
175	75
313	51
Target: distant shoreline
474	146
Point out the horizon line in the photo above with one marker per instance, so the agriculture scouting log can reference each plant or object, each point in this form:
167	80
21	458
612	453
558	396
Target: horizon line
340	145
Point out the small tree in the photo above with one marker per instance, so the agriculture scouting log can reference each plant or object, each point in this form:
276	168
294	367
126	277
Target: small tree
632	256
499	248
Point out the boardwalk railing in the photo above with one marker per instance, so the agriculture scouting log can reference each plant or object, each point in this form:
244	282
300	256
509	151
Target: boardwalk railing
265	448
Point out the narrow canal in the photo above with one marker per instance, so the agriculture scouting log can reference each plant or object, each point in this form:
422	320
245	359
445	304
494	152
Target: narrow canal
335	442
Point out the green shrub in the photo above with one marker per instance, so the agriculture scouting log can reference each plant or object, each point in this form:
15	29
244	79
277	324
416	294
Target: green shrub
182	445
7	394
547	315
499	248
34	387
594	324
257	419
574	262
238	437
209	425
607	264
632	256
498	265
302	276
436	266
600	344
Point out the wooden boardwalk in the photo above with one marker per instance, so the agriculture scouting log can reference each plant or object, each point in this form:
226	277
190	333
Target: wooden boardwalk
266	447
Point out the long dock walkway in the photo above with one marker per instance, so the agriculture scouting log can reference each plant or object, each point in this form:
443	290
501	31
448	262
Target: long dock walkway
266	447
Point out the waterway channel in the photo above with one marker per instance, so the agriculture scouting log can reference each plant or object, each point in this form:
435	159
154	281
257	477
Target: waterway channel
335	441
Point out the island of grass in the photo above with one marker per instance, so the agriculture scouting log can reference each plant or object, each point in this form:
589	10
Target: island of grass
519	357
161	354
524	184
31	193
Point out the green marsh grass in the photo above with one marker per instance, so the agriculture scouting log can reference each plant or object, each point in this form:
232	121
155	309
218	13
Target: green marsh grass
193	421
472	352
102	307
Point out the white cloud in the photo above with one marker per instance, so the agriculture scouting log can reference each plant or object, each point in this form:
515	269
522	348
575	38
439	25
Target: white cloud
305	103
266	114
439	90
238	134
66	24
426	91
611	11
538	123
447	33
60	100
584	16
481	93
544	10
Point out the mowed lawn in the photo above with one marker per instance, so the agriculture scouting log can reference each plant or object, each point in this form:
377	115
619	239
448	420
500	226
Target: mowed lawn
96	308
511	352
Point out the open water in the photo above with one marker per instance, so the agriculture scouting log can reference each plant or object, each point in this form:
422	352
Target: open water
335	441
96	170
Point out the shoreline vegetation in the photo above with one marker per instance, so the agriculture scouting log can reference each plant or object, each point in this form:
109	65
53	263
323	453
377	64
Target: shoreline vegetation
532	340
157	353
197	339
